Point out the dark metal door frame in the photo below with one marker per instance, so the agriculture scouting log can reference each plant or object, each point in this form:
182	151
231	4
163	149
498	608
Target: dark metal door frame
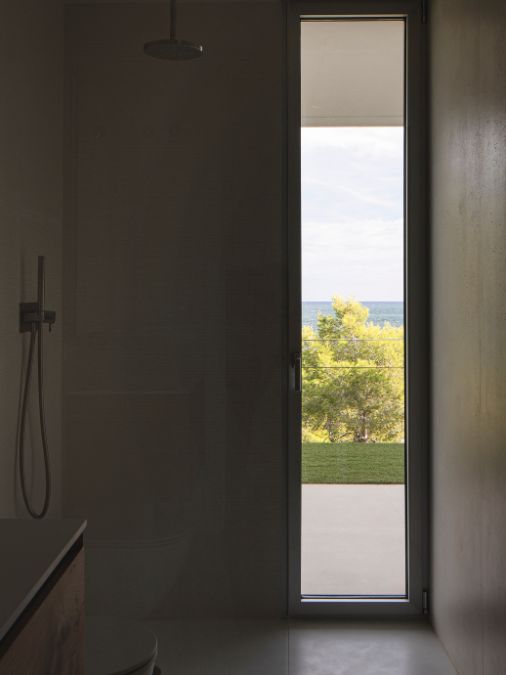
416	308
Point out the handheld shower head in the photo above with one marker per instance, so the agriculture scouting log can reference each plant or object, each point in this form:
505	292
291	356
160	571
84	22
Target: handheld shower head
173	49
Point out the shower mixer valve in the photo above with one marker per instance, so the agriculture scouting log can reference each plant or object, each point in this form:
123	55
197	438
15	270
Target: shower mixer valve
29	314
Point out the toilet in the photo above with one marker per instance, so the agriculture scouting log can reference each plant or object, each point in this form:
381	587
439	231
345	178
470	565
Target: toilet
119	647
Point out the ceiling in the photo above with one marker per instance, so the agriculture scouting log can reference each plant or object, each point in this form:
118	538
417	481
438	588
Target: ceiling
352	73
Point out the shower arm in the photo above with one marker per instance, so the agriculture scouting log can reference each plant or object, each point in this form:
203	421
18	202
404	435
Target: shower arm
172	49
172	19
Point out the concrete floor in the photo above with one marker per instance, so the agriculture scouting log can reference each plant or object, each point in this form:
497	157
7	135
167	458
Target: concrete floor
345	529
299	648
353	540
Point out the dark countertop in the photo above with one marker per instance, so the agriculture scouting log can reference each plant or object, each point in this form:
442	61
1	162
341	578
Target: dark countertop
30	551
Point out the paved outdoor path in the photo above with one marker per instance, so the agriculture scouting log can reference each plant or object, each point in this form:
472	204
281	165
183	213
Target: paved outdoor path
353	539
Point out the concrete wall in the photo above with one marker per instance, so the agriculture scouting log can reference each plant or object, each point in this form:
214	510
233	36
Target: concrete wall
174	317
468	111
31	112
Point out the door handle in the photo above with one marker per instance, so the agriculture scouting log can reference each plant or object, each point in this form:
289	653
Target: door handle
296	361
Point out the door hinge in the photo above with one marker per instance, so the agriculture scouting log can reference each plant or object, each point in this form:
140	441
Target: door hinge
424	11
425	601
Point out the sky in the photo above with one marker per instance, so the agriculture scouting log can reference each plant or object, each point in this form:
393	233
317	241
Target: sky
352	213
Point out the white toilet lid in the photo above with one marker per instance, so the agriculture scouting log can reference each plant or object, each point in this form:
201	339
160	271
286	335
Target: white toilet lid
117	646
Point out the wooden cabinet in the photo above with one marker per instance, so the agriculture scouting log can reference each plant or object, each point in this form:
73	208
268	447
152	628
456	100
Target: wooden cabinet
48	638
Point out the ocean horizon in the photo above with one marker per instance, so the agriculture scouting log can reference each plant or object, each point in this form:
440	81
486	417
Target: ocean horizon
380	312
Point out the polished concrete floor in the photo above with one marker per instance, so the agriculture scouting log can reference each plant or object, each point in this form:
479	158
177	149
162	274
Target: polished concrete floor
299	648
353	540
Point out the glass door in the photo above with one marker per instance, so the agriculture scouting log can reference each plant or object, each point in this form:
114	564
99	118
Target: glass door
351	430
352	190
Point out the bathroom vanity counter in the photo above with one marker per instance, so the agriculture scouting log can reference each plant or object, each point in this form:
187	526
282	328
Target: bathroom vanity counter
41	593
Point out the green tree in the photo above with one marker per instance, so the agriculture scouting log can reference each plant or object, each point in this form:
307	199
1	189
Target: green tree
353	378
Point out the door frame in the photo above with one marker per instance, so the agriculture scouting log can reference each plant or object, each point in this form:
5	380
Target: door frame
416	280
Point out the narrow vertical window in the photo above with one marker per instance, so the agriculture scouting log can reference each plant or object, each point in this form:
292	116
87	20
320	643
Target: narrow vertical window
353	414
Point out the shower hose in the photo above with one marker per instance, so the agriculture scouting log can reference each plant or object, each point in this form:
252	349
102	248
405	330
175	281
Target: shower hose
36	332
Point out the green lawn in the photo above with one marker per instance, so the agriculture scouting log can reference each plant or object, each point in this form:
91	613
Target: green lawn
352	463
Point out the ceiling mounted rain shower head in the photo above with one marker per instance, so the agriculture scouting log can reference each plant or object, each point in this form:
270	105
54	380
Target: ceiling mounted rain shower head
172	49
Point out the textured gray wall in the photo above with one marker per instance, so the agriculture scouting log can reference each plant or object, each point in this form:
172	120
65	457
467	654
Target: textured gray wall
31	80
174	277
468	110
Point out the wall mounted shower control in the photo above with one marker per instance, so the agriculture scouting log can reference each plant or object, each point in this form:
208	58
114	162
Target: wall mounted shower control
31	313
